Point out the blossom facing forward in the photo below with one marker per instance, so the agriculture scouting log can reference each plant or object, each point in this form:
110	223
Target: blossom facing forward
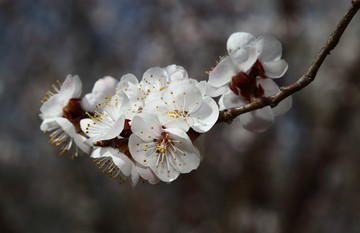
166	151
182	105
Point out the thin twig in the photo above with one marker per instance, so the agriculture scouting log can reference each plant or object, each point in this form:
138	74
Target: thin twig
228	115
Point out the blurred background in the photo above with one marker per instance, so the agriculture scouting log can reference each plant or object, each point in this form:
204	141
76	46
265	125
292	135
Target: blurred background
302	175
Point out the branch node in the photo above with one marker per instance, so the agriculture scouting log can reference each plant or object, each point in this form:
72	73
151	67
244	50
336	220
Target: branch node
355	2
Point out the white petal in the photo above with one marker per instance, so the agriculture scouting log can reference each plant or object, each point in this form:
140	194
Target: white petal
129	85
176	72
175	132
134	175
245	58
183	95
237	40
171	69
128	78
283	106
177	75
69	128
275	69
230	100
258	120
202	85
222	73
80	142
118	158
269	48
71	88
145	125
153	73
271	88
162	171
179	123
147	174
121	161
53	107
207	115
101	131
66	125
185	157
140	152
49	124
102	88
97	153
85	125
215	91
155	79
116	129
165	114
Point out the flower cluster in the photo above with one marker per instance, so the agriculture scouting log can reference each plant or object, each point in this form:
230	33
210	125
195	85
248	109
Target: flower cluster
136	129
246	74
147	129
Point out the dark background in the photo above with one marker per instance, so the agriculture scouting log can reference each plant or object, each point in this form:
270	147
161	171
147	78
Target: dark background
302	175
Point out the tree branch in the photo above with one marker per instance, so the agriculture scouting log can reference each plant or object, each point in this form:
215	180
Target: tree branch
228	115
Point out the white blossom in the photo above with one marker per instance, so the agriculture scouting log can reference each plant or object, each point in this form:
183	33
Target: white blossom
246	74
244	51
117	164
57	98
183	105
109	122
63	134
154	81
166	151
63	131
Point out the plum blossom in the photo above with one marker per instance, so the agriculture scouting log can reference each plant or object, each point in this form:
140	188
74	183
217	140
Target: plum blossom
57	98
154	81
63	134
183	105
246	74
137	130
109	122
56	113
112	162
245	51
166	151
117	164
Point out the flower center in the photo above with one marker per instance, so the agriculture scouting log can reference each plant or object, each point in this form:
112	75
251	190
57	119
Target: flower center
74	113
163	143
165	146
177	114
247	83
